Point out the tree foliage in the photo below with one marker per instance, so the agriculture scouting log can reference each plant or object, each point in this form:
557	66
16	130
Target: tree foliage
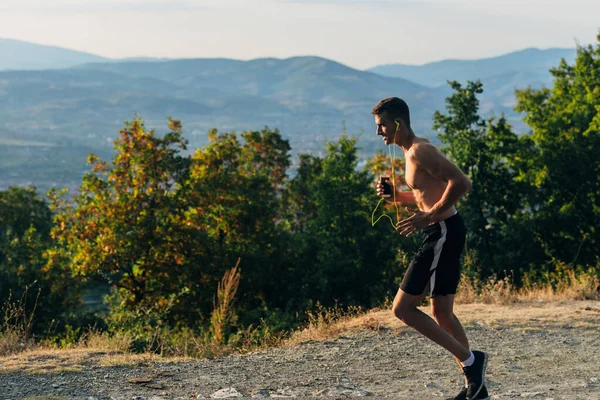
126	225
25	223
564	167
486	150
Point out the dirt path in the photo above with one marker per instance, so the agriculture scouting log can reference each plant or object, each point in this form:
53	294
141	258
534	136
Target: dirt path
537	350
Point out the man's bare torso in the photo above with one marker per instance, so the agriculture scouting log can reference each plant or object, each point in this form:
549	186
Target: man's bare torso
426	189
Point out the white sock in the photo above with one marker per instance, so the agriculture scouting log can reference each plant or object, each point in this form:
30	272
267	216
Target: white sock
469	361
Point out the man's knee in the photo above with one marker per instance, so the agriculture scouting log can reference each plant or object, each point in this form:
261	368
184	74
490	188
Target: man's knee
405	304
398	311
402	310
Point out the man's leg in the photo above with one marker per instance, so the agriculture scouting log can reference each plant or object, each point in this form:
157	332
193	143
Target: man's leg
442	308
405	308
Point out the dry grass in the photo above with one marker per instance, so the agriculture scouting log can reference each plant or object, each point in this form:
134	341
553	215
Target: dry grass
569	301
119	342
223	314
525	315
477	302
15	330
41	361
570	286
326	323
566	286
52	361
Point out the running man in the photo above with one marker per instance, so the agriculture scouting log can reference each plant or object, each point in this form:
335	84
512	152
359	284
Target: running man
437	185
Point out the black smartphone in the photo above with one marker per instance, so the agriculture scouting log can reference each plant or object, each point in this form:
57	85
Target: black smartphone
387	185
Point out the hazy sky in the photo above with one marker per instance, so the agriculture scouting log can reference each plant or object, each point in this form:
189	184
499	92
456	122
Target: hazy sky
359	33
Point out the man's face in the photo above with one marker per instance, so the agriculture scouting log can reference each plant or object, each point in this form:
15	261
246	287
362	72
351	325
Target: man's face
386	128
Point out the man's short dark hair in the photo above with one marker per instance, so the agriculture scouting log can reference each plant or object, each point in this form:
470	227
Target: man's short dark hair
394	107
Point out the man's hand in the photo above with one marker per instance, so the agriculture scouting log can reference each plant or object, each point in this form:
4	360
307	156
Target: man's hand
414	223
401	197
389	199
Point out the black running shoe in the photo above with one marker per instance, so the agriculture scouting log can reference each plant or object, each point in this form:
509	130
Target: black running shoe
483	395
476	374
461	396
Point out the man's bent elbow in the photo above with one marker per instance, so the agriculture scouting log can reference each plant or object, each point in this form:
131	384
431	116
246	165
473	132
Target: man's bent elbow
466	186
461	186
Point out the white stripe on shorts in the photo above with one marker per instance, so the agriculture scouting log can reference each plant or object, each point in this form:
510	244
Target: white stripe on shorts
437	252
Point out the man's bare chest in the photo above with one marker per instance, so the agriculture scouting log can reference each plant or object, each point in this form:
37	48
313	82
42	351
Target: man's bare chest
413	176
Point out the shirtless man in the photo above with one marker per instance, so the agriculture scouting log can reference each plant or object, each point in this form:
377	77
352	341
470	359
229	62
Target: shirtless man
437	185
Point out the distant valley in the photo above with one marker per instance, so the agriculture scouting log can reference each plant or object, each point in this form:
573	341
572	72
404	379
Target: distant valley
53	114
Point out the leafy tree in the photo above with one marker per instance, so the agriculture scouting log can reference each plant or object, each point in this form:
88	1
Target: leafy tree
564	167
125	226
486	150
25	223
340	256
234	196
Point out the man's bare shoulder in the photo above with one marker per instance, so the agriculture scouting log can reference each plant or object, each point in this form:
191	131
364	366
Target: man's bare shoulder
428	157
423	149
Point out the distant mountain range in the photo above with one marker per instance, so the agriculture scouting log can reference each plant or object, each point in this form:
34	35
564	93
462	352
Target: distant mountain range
500	75
25	56
528	63
18	55
58	105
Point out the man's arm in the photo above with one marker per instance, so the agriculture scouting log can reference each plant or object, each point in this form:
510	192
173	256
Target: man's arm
436	164
403	198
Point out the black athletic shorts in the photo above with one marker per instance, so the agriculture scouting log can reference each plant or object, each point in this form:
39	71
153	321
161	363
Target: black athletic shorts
437	261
